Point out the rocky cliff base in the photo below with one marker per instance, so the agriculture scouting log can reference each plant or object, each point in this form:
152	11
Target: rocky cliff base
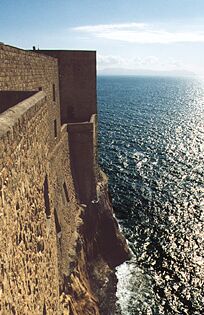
91	286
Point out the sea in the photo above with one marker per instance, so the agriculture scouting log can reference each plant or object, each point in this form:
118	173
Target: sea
151	145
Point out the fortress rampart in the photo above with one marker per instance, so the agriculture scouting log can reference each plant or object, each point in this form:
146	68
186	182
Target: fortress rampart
57	230
77	82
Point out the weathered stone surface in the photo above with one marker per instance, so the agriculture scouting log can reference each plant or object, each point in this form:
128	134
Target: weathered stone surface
52	246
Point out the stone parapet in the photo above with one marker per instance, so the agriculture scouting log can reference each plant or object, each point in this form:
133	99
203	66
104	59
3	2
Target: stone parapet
11	120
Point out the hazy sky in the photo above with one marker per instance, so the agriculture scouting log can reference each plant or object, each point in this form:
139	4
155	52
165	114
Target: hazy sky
132	34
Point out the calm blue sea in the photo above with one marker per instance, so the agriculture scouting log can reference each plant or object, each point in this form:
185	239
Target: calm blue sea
151	139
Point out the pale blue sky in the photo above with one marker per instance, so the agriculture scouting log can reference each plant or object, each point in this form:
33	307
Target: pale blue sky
132	34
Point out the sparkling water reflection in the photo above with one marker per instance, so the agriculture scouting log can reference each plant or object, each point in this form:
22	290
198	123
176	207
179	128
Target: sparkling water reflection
151	146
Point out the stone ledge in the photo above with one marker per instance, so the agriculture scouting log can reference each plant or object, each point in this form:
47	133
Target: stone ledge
25	109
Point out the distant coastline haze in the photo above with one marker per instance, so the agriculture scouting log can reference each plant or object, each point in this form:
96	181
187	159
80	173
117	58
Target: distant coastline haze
155	35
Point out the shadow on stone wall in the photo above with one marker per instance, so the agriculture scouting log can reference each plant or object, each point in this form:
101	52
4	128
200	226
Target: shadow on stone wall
10	98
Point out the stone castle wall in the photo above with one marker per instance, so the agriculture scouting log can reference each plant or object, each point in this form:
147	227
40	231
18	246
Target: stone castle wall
77	81
27	71
50	242
83	159
26	244
77	89
37	196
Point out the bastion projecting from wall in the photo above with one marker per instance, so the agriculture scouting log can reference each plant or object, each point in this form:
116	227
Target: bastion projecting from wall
59	240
